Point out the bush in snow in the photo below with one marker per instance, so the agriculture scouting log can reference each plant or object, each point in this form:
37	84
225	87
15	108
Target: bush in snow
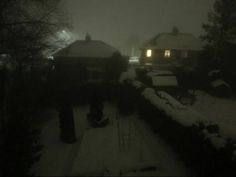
220	88
142	76
196	140
95	116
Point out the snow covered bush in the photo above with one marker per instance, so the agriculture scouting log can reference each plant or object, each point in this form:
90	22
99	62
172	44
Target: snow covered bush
192	135
142	76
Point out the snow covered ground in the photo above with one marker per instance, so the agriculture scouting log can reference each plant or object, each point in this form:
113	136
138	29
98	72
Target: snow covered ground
125	147
219	110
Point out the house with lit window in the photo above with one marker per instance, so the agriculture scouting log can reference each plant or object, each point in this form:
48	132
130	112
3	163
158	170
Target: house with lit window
171	48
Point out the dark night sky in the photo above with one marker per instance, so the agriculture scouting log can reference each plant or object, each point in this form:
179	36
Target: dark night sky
119	22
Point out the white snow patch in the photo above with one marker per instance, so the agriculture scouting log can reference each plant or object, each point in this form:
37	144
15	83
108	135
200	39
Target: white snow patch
219	82
160	81
137	84
219	110
213	72
171	100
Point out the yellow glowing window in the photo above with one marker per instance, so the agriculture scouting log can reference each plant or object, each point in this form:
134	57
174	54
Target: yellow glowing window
167	54
149	53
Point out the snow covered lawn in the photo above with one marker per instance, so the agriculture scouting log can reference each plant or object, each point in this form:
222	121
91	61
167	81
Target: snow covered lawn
125	147
219	110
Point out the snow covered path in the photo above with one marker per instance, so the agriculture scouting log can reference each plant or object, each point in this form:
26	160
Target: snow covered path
125	147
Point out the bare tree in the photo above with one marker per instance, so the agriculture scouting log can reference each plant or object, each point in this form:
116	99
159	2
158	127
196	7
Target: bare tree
25	26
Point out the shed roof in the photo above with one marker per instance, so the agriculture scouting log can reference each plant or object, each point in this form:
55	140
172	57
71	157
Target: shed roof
179	41
87	49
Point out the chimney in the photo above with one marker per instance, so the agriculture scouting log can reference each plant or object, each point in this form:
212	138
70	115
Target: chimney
88	38
175	31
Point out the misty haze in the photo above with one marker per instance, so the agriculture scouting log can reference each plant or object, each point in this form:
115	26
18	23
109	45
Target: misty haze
118	88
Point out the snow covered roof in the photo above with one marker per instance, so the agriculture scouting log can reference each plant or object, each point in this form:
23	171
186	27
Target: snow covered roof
179	41
87	49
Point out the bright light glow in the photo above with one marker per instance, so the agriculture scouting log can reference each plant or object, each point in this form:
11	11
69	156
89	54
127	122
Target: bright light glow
134	60
50	57
149	53
167	54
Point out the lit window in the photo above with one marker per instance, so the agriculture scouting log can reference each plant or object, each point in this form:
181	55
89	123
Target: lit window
167	54
149	53
184	54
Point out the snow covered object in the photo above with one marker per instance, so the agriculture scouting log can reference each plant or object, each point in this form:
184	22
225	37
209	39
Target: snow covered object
220	88
95	116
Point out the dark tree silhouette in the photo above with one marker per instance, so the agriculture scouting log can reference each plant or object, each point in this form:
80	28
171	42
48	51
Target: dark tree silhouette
66	118
116	64
220	34
24	28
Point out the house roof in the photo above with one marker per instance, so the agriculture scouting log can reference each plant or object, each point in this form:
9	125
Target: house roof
179	41
87	49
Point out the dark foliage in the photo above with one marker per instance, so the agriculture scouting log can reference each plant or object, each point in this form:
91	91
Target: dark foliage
24	27
20	147
66	121
126	100
220	35
114	66
142	76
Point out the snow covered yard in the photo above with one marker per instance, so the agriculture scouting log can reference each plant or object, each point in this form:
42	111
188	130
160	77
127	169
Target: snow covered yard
219	110
125	147
57	157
